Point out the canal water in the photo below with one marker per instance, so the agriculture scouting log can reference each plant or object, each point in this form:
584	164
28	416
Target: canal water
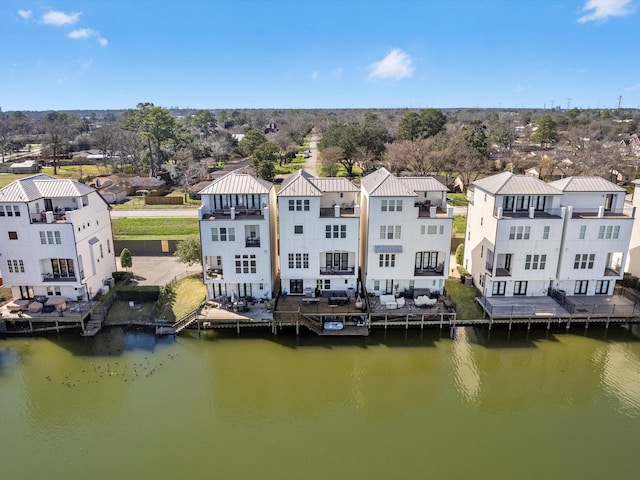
395	405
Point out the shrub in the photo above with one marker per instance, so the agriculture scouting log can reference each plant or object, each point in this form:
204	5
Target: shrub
460	254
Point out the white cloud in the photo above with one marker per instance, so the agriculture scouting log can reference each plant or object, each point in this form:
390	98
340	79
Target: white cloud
633	87
25	14
314	75
103	41
60	19
81	33
397	65
603	9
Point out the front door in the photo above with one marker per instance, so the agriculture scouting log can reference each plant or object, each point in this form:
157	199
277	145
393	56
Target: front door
388	287
295	286
26	293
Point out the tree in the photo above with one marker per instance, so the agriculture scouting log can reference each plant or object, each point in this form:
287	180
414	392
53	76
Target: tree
503	134
427	123
203	123
547	131
330	160
6	133
266	171
58	127
475	135
418	156
465	159
189	250
125	259
251	140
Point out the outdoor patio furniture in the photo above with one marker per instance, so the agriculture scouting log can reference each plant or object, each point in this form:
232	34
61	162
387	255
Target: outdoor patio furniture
58	303
424	301
388	301
401	302
35	307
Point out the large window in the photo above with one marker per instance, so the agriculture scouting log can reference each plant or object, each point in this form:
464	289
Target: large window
609	231
391	205
432	229
9	210
298	205
50	237
337	261
298	260
246	264
387	260
426	260
335	231
223	234
63	267
390	232
519	233
15	266
535	262
519	288
499	288
584	261
602	287
581	287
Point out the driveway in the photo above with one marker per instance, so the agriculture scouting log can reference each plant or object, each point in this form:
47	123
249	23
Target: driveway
158	270
310	163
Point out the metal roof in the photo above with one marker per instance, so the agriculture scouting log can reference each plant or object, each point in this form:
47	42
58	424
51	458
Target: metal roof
237	183
387	249
382	183
506	183
586	184
334	184
299	184
42	186
423	184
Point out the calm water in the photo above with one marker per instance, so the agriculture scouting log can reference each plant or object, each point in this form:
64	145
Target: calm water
394	406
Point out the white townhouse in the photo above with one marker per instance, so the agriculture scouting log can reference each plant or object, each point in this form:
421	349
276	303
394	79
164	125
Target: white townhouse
56	239
319	222
596	236
237	234
633	261
527	237
514	233
405	233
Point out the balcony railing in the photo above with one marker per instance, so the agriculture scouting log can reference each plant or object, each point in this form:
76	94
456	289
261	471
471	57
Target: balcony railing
503	272
336	271
429	272
214	273
239	213
54	277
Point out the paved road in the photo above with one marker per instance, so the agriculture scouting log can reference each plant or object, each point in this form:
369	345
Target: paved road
310	163
158	270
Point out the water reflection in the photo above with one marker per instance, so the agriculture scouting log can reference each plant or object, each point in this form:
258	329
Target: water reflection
620	376
467	376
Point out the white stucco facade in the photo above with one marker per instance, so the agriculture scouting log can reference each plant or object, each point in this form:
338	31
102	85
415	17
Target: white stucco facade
237	234
405	233
57	239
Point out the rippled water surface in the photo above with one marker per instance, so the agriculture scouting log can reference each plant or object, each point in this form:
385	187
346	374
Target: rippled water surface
391	406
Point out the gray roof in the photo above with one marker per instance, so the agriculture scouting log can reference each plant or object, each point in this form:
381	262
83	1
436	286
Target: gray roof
236	182
506	183
298	184
334	184
586	184
42	186
382	183
423	184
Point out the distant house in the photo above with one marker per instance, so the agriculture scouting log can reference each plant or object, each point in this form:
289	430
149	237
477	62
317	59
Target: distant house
132	185
532	172
28	166
113	193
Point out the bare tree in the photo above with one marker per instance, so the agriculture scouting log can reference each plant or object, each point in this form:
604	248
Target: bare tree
331	158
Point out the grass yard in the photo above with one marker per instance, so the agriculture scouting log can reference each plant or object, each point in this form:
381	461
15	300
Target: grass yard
190	292
464	296
169	228
459	226
457	199
120	311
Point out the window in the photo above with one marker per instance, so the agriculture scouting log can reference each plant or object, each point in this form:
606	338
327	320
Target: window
498	288
63	267
387	260
602	287
13	235
545	232
432	229
9	210
297	229
223	234
519	288
583	232
389	232
376	285
519	233
335	231
609	231
391	206
426	261
298	260
581	287
298	205
291	260
535	262
108	246
584	261
101	252
323	284
245	264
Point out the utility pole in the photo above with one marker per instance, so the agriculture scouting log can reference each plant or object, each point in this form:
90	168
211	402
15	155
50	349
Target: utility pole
619	101
568	103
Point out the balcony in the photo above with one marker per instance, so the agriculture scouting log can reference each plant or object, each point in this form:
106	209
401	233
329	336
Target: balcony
54	277
233	213
337	270
503	272
429	272
337	211
427	209
252	242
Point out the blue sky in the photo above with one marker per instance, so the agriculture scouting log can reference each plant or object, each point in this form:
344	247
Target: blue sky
104	54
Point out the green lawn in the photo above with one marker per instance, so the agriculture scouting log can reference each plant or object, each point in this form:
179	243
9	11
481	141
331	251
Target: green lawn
170	228
137	203
459	226
464	296
457	199
190	293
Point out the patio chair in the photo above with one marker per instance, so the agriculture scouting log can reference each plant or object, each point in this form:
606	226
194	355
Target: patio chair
134	305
